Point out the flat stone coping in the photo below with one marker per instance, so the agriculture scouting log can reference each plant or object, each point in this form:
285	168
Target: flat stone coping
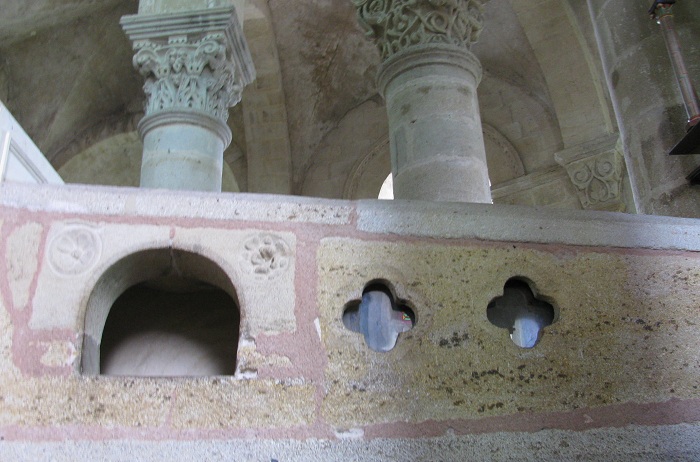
529	224
116	201
436	220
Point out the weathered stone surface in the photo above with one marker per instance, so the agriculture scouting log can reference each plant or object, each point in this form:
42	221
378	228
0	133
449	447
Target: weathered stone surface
77	253
621	350
622	331
243	404
528	224
7	366
224	403
89	401
59	354
263	267
21	260
124	202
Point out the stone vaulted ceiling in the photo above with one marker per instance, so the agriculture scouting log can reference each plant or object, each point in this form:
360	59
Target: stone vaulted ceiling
313	116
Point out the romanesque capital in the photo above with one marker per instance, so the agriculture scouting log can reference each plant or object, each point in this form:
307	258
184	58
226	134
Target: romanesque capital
396	25
596	170
192	61
193	75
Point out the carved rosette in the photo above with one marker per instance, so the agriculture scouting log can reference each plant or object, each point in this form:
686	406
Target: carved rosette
266	256
182	75
74	251
396	25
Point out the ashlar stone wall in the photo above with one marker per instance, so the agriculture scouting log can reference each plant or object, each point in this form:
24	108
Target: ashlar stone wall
615	375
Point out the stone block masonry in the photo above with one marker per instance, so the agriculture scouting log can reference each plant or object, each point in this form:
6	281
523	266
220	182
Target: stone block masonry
614	376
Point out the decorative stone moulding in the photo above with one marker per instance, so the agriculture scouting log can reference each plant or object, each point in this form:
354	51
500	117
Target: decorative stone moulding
195	61
596	170
400	24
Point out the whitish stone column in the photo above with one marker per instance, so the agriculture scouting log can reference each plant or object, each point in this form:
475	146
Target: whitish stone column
196	64
428	78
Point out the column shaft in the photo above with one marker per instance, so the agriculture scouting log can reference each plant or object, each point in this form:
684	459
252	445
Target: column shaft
429	78
179	153
437	145
196	64
685	83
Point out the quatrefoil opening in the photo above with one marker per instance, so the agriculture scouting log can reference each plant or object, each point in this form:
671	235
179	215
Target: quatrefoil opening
379	316
521	312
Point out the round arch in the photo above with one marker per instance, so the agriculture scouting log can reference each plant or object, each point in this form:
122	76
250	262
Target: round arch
161	269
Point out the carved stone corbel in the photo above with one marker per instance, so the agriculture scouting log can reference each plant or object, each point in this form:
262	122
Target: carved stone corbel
596	170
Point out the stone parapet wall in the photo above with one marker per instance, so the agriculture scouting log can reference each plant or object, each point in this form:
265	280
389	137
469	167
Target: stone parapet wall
619	363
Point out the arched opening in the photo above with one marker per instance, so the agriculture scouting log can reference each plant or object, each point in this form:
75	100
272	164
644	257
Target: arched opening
387	190
162	313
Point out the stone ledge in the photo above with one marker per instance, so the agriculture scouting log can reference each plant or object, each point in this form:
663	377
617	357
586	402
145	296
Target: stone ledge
504	223
512	223
135	202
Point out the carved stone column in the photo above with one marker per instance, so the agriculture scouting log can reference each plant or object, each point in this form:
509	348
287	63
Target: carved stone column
196	64
428	78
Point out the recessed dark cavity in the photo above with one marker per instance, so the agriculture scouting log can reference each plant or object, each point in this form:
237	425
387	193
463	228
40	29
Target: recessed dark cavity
182	328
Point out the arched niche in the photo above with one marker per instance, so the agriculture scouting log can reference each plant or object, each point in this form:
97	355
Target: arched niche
163	312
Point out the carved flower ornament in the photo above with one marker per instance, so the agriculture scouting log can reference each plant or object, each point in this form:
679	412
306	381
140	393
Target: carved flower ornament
266	255
74	251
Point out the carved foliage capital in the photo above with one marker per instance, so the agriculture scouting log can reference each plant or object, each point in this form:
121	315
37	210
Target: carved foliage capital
399	24
182	74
